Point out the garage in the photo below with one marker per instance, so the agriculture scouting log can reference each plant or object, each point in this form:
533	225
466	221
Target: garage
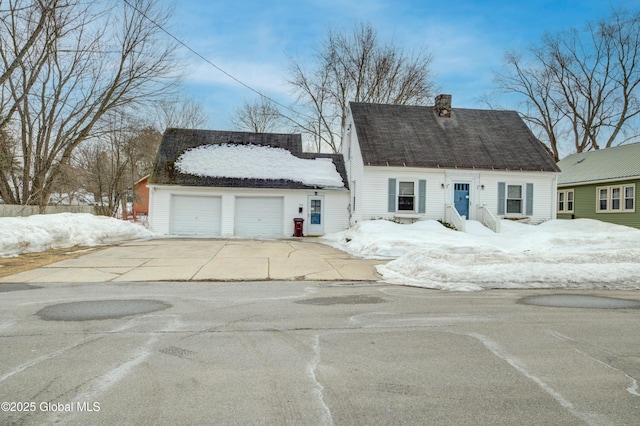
195	215
259	216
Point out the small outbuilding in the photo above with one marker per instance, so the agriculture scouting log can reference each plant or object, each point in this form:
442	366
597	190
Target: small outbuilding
224	183
141	197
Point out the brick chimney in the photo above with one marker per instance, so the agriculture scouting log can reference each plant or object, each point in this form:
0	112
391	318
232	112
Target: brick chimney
443	106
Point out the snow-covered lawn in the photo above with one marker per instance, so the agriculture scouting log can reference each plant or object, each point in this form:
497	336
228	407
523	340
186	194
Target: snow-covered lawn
44	232
581	253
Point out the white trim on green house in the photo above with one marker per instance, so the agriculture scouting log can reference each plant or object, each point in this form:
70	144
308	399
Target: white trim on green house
616	198
565	201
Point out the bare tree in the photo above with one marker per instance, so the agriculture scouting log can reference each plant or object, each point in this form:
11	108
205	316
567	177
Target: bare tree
262	116
112	163
180	112
580	89
141	150
356	67
93	61
28	22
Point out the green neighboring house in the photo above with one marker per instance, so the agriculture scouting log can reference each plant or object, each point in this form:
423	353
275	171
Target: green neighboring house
602	185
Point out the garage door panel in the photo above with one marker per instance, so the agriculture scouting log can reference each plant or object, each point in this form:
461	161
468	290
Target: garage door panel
259	216
195	215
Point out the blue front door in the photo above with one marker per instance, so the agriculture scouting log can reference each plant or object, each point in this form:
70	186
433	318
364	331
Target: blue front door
461	199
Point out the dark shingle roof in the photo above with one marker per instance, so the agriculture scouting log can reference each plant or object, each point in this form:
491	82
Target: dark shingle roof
176	141
414	136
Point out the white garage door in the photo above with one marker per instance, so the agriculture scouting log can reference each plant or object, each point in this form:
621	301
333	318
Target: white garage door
259	216
195	215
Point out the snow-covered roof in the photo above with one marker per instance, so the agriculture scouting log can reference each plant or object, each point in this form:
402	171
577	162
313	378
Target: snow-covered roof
257	162
212	158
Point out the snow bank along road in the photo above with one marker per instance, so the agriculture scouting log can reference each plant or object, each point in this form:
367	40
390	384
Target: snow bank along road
312	353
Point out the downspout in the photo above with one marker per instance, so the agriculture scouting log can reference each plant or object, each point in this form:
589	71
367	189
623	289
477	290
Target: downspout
554	191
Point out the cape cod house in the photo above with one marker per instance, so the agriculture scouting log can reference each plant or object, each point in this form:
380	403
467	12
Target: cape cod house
407	163
220	183
602	185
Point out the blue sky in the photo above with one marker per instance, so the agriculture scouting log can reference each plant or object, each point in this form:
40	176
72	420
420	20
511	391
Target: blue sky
253	40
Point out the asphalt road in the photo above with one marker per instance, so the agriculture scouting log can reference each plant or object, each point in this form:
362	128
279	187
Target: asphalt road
312	353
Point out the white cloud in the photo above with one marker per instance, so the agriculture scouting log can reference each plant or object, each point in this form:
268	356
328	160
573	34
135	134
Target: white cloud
265	77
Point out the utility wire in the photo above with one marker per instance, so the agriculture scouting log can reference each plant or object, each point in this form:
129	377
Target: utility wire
216	66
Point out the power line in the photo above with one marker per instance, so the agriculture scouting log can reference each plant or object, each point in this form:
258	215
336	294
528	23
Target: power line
237	80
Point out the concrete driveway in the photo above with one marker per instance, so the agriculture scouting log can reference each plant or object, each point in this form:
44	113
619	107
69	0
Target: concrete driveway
207	260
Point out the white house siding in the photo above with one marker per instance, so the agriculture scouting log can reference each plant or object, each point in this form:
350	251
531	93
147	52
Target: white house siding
544	194
159	202
483	190
336	205
374	199
336	210
355	173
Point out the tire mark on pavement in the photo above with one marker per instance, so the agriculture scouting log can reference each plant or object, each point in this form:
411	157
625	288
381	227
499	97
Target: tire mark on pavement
633	388
501	353
106	381
327	418
46	357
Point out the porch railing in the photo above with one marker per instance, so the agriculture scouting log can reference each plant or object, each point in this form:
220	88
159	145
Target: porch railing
452	216
488	219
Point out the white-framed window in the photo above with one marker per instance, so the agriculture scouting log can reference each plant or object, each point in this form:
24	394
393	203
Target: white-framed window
406	196
629	198
565	201
603	199
616	198
514	199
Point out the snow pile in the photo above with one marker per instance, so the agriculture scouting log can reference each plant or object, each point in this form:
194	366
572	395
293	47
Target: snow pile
257	162
579	253
44	232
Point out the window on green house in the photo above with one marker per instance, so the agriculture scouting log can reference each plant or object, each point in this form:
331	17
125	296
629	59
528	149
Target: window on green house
565	201
603	199
615	198
561	201
629	197
619	198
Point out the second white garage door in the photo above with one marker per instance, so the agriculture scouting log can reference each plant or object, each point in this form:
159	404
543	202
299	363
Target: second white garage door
259	216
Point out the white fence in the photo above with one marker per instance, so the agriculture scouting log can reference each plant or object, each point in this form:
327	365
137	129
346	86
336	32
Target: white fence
14	210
